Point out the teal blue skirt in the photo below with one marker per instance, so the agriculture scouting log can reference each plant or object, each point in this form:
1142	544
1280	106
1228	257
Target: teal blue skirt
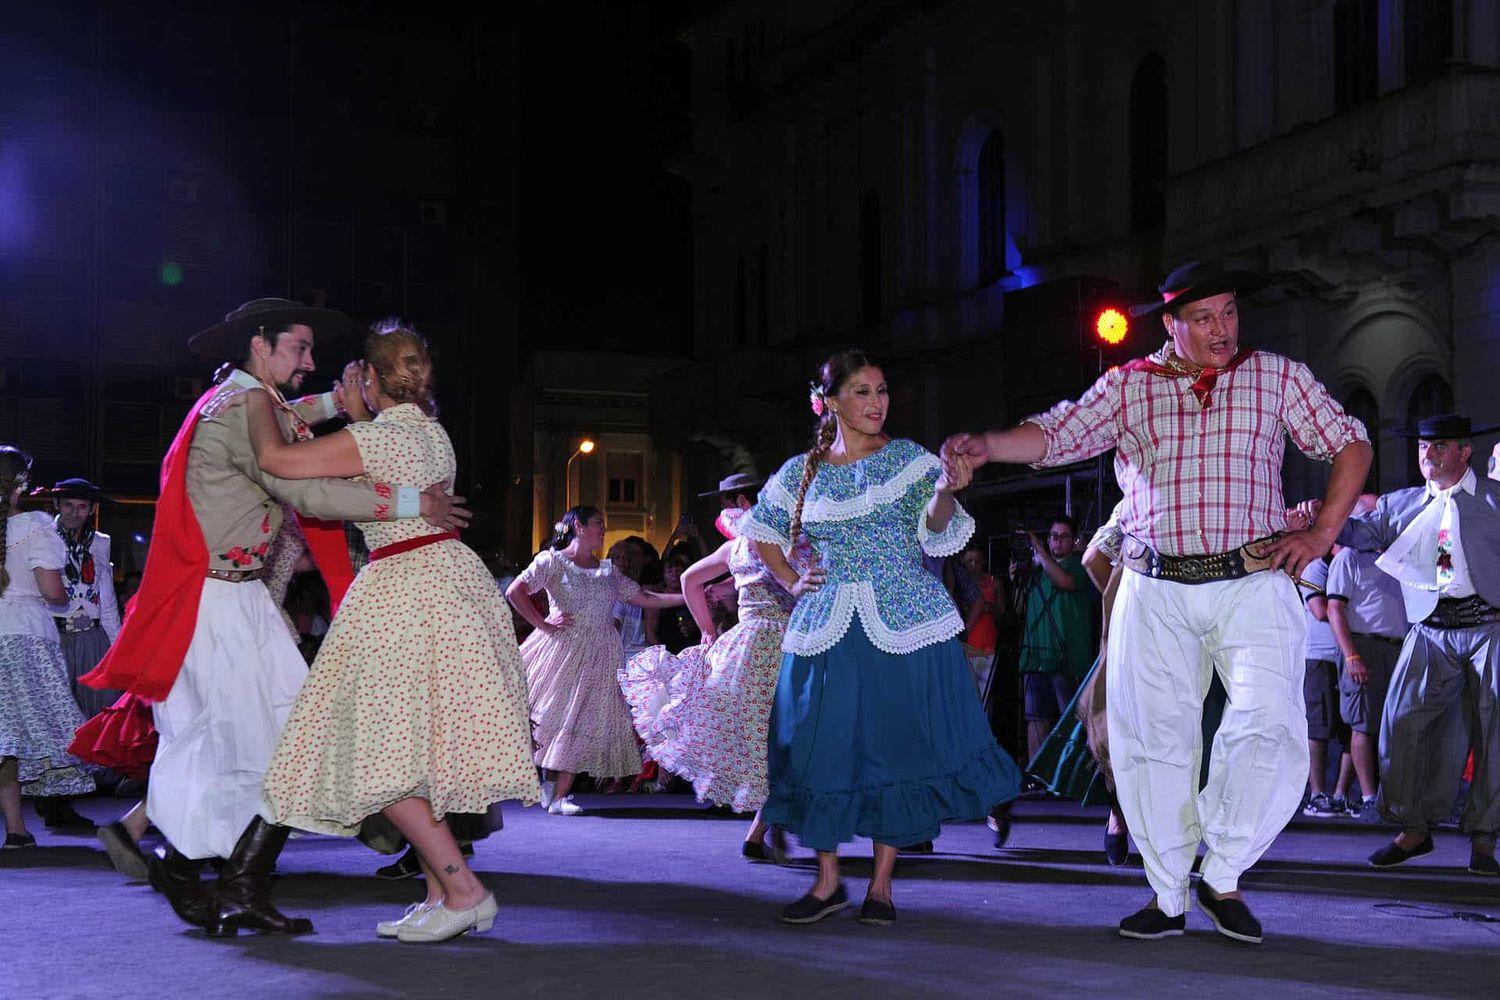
873	744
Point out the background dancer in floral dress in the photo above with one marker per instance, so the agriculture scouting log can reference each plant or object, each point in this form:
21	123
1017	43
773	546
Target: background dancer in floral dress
416	704
875	730
580	721
704	712
37	712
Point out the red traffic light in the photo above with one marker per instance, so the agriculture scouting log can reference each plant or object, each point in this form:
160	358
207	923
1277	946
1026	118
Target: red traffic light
1111	326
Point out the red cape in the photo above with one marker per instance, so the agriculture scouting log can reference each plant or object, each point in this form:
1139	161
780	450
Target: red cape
160	619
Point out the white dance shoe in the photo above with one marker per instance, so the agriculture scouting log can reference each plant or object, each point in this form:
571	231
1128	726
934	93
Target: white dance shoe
414	913
564	807
442	924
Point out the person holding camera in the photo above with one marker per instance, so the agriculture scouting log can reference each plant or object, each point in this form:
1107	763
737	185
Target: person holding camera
1057	644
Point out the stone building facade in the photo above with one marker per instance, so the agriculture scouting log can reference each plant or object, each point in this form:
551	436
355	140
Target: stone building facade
959	186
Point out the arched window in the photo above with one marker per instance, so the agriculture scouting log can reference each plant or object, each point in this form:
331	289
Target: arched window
1362	406
991	192
1431	397
1356	52
869	260
1148	144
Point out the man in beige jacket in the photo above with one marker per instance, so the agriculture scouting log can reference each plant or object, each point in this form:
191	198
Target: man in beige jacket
214	654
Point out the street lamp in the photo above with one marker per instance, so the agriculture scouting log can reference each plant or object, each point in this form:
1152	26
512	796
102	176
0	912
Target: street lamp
585	447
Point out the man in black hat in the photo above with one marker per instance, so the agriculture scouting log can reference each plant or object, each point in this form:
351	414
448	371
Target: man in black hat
212	653
93	618
1199	430
1442	542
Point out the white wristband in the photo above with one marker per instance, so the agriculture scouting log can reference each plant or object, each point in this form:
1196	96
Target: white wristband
408	502
330	406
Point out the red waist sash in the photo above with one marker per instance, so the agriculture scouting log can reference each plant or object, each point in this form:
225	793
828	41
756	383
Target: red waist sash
396	548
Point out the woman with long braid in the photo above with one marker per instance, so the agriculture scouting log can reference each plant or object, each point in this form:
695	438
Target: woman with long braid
875	730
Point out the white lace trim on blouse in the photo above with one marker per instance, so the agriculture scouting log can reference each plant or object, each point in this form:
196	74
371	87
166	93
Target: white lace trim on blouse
860	597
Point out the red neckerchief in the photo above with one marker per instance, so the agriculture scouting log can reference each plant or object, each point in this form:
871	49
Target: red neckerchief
1204	379
160	619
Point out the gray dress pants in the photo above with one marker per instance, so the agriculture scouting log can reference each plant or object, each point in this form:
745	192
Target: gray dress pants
1444	698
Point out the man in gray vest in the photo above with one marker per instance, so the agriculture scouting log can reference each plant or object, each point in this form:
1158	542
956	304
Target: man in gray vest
1442	541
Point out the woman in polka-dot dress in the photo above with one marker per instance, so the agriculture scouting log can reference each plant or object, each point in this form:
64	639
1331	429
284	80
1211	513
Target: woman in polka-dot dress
416	704
579	717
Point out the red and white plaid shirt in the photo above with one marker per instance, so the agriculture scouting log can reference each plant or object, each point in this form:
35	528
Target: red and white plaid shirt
1199	481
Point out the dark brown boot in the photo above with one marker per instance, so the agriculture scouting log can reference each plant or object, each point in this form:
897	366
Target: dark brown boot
176	877
242	897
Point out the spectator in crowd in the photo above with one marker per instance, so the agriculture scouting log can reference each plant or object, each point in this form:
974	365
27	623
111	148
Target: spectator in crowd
982	617
1320	695
673	627
1058	647
1368	620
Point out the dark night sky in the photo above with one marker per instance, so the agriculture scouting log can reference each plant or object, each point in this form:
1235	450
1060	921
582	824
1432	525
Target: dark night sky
605	228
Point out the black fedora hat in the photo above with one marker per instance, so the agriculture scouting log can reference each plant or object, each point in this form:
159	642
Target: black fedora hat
73	489
227	340
740	482
1198	280
1445	427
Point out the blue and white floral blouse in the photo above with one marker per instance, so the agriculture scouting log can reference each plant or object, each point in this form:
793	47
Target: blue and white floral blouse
868	522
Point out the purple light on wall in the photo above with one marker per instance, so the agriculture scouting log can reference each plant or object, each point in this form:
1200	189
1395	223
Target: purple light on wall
18	224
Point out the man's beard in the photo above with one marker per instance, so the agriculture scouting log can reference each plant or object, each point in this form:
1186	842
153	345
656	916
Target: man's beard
290	388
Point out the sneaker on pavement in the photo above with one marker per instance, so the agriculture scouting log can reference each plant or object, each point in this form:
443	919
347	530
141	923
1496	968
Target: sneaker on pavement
1320	805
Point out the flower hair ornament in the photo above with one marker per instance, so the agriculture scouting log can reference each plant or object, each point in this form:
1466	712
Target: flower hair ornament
560	528
816	398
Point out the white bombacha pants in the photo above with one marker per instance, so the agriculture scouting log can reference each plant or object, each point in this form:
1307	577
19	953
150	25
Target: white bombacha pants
1164	638
219	724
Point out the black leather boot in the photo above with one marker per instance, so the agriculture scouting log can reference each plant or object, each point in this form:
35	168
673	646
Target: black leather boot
242	897
176	877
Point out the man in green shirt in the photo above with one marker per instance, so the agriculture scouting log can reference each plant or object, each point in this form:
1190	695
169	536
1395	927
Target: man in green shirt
1058	646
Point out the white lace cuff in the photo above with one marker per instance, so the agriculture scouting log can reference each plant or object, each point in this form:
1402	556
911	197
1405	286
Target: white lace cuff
952	539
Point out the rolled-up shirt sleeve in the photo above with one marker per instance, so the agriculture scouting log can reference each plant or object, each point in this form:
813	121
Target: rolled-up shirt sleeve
1317	424
1076	430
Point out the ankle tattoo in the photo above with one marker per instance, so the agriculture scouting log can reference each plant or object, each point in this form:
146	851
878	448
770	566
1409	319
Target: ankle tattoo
451	869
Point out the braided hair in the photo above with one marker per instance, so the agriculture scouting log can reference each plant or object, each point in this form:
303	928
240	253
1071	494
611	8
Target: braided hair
402	362
15	467
564	531
832	375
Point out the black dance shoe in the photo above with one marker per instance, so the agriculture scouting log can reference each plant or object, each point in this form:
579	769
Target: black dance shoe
16	841
877	914
405	866
124	853
1481	863
810	909
999	822
1231	917
1116	849
1394	854
920	847
1149	924
754	850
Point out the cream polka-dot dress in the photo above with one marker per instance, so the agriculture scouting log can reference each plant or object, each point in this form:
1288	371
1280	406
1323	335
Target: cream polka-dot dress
418	689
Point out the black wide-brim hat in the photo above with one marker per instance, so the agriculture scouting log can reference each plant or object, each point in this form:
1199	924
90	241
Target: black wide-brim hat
227	341
1445	427
740	482
1198	280
73	489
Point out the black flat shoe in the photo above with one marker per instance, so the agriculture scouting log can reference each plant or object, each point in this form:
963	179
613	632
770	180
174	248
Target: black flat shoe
125	854
62	816
16	841
406	866
1149	924
754	850
1483	864
810	909
921	847
877	914
1116	849
1394	854
999	822
1231	917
